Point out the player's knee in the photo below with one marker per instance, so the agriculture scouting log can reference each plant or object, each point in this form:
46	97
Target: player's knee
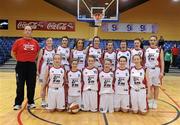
134	111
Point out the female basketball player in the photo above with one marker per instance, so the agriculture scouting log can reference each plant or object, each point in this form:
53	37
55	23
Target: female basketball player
154	59
137	50
55	78
96	52
90	86
138	87
121	96
79	53
64	51
110	53
74	79
124	52
46	56
106	78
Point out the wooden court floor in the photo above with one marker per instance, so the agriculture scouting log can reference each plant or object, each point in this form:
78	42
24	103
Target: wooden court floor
167	112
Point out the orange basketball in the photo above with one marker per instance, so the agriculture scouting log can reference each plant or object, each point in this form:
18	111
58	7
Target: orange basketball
74	108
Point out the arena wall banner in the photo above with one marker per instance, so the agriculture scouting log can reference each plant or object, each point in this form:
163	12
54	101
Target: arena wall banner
46	25
129	27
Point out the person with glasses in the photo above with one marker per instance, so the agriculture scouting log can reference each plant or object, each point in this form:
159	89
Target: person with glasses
154	62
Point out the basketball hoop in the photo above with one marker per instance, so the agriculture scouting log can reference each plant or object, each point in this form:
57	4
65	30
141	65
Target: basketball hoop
98	18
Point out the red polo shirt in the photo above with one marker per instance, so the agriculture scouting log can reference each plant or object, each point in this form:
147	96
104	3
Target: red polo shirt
25	50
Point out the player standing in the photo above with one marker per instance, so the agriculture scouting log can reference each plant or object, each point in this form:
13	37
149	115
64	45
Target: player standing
96	51
64	51
46	56
110	53
124	52
154	62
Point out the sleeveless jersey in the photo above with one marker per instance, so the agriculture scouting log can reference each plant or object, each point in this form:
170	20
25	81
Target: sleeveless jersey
81	56
121	81
48	57
127	54
90	79
137	78
106	82
112	57
135	52
152	57
74	83
56	77
65	54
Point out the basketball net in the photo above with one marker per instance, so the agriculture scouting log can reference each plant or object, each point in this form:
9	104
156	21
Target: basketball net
98	19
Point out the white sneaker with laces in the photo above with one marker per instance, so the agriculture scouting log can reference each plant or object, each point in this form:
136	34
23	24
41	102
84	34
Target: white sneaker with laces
43	103
154	106
31	106
17	107
150	103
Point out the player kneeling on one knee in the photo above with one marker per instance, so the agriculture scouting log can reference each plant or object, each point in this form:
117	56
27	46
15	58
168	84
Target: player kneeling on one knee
106	78
138	87
90	86
121	96
74	78
55	78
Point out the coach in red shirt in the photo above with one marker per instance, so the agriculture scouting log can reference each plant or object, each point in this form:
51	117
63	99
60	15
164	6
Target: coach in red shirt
25	51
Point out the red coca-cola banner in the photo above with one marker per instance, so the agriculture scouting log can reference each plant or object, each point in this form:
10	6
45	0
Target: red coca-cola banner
46	25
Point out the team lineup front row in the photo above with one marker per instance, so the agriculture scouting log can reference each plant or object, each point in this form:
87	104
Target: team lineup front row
97	80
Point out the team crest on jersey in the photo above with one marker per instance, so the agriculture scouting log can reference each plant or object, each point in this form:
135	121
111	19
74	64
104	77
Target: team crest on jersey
95	72
85	72
140	73
61	71
127	54
102	76
78	75
157	51
111	75
126	74
66	51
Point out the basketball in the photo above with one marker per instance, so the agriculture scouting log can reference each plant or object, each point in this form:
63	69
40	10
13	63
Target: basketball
74	108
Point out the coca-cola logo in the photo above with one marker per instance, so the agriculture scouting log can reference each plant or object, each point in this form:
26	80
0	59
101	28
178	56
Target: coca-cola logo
42	25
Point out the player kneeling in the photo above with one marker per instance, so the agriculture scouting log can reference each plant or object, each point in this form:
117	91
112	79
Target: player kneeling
90	86
138	87
55	78
74	78
121	96
106	78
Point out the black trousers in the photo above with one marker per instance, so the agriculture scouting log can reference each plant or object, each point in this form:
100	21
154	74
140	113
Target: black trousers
167	65
25	73
174	60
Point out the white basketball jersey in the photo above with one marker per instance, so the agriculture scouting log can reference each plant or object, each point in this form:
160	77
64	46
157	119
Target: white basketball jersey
97	53
56	77
137	78
112	57
90	79
127	54
106	82
121	81
152	57
135	52
48	56
65	54
81	56
74	83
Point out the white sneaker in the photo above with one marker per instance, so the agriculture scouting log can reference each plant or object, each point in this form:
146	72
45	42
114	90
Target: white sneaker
154	106
17	107
150	103
43	103
31	106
